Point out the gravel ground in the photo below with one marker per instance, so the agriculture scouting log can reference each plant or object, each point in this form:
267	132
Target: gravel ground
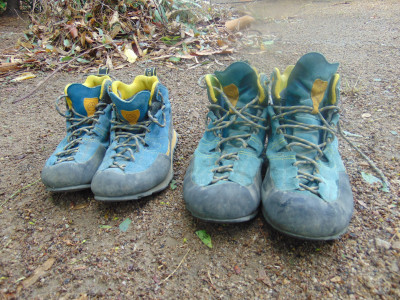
54	245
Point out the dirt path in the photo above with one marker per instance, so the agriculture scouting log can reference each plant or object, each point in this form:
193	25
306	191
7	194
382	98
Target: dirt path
61	235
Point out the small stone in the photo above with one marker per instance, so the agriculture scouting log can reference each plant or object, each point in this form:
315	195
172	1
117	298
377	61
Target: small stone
366	115
394	267
396	245
382	244
336	279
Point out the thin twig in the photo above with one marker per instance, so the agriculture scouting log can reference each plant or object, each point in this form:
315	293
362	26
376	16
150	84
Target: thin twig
54	72
176	267
19	191
385	182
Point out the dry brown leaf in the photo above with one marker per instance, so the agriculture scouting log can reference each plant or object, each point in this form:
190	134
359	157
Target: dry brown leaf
73	31
220	43
240	23
114	18
136	47
115	29
81	205
147	28
262	277
88	40
39	272
212	52
5	67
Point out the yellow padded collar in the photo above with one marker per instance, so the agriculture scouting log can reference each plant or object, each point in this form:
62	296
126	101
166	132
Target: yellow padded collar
260	88
281	81
213	82
140	83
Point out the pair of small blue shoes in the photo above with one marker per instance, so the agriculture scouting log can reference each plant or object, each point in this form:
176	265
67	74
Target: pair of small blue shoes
120	139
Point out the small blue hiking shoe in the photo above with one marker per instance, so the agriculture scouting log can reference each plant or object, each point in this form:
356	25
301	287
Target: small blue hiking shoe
306	192
77	157
138	162
223	180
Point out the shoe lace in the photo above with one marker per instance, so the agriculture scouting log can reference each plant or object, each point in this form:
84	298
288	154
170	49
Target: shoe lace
307	175
236	117
80	126
129	137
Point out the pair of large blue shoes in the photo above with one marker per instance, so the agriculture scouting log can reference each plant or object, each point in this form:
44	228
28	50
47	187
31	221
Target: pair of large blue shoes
304	191
120	139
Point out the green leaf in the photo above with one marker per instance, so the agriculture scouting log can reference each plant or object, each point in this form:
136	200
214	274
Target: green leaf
125	224
67	43
66	58
82	60
88	16
371	179
204	237
157	16
170	40
174	59
173	185
385	189
105	226
268	43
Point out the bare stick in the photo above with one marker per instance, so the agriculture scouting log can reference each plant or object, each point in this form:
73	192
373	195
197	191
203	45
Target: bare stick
385	182
176	268
19	191
54	72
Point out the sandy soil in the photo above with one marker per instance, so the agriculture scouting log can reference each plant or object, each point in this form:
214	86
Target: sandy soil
53	245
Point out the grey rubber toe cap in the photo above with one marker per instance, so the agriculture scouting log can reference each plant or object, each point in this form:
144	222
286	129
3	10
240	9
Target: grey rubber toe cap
112	184
307	216
68	176
226	202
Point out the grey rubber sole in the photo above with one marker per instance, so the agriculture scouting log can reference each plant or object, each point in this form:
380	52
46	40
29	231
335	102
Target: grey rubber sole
227	221
163	185
302	237
69	188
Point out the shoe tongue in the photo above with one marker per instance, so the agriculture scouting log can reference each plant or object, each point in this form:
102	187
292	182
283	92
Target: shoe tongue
308	85
83	99
308	82
134	109
239	82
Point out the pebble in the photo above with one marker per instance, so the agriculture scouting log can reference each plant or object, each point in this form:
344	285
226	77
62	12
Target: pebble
382	244
394	267
396	246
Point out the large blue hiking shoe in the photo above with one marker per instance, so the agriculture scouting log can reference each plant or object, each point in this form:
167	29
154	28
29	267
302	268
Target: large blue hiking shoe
77	157
138	162
223	180
306	192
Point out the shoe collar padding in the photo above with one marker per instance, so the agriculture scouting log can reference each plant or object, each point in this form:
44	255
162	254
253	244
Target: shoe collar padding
225	82
140	83
318	91
92	82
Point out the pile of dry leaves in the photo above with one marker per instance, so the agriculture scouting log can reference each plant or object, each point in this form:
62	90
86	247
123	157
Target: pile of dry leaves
115	33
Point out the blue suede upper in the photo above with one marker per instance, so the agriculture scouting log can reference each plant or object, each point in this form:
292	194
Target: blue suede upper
248	161
89	142
284	173
156	139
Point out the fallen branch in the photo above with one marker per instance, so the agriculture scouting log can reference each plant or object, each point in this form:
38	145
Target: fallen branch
385	182
19	191
54	72
176	267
